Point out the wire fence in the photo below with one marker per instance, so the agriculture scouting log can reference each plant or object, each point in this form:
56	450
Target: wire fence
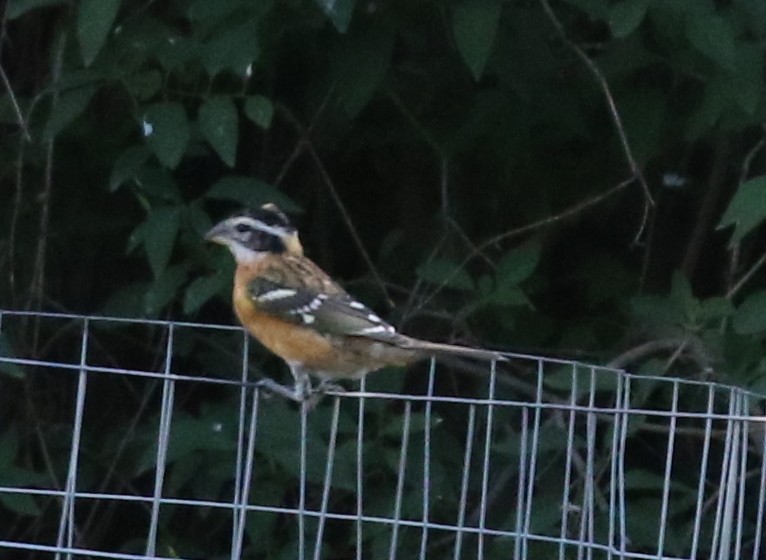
541	458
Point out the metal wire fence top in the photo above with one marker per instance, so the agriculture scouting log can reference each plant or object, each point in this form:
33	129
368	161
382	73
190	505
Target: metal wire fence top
128	438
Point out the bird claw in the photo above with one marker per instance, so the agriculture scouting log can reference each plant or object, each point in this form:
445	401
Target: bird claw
329	386
274	388
302	392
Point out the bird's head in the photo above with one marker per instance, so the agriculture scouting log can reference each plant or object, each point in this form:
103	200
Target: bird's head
252	234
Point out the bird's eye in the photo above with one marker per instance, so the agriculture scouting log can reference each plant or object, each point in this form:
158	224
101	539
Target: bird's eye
241	228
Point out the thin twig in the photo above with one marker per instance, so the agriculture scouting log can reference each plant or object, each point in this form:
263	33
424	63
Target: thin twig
349	223
568	213
644	350
746	277
302	137
309	148
14	102
616	119
735	251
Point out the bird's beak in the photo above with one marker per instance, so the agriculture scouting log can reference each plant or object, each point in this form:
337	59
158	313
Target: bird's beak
219	233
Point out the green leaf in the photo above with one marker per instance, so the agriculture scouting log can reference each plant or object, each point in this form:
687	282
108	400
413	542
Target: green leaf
164	289
360	62
260	110
22	504
712	36
158	182
474	23
747	208
202	289
232	48
94	20
596	9
626	16
715	309
69	105
250	192
656	310
338	12
166	130
17	8
518	265
745	85
145	85
750	317
127	166
159	235
6	351
681	294
445	272
220	127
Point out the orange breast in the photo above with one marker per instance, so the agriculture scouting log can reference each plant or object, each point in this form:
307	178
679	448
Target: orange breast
291	342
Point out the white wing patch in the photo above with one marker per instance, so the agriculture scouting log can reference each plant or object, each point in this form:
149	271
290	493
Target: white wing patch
279	293
378	329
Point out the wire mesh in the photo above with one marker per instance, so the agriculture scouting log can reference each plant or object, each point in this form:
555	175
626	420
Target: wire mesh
540	458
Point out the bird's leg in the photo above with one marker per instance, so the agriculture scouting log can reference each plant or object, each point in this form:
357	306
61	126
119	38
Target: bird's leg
303	387
278	389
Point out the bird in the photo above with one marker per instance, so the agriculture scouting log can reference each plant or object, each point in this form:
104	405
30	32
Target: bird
298	312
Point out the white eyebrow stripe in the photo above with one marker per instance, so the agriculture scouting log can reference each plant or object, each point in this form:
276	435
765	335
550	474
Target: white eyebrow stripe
279	293
258	225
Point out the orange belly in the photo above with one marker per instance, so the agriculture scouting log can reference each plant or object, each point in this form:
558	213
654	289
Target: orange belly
292	343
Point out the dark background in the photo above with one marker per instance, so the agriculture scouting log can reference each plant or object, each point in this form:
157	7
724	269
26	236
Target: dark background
579	178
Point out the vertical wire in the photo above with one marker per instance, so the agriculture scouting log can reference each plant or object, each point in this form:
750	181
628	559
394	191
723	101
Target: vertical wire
400	480
163	439
740	526
586	513
613	465
731	483
247	475
485	464
238	513
719	524
327	478
533	456
360	470
591	479
565	505
703	472
522	477
465	480
668	468
67	520
761	492
427	461
302	483
621	468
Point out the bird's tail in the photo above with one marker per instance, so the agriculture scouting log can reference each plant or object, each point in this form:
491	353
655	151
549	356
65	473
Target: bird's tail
439	349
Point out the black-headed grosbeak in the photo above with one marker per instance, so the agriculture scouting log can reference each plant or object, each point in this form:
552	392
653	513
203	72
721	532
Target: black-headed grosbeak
299	313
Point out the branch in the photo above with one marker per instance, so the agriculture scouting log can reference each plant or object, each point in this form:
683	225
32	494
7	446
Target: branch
567	213
309	147
616	119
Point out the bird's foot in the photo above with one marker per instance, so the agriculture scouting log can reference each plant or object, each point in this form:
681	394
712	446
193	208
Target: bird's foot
329	387
271	386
